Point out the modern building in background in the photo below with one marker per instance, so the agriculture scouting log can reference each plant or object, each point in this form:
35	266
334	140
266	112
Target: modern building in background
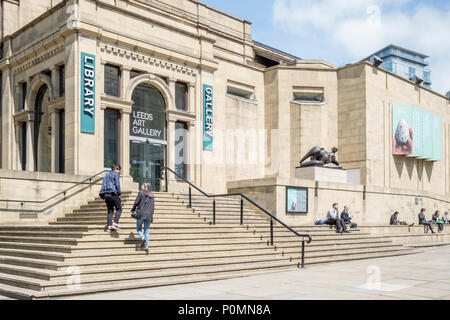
404	62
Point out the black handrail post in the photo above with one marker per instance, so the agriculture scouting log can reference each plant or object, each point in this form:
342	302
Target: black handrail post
242	211
190	197
271	232
167	180
214	211
303	253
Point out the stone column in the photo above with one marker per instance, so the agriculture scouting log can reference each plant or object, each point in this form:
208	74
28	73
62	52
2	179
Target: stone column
7	127
125	77
30	151
191	151
171	148
17	161
172	82
125	141
191	97
54	153
55	81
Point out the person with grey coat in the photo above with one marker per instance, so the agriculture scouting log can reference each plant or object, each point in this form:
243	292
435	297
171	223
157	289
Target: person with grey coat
145	201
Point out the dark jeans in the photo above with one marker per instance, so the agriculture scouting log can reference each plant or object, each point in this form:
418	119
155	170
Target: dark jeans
429	224
113	201
440	226
340	224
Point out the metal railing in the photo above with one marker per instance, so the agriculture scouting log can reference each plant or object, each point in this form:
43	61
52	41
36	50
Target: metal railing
243	197
64	192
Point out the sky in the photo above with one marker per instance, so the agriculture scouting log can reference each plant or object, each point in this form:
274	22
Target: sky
347	31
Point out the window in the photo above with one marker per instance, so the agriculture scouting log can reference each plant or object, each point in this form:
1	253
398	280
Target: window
23	145
181	95
24	96
412	72
181	134
241	91
61	142
62	80
112	80
426	76
308	95
111	137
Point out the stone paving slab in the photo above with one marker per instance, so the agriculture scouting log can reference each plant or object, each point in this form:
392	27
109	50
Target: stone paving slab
412	277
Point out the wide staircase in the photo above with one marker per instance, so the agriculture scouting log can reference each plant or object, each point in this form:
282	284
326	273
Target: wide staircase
74	255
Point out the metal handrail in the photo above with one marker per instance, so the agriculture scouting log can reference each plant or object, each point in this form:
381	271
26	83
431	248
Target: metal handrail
59	193
242	211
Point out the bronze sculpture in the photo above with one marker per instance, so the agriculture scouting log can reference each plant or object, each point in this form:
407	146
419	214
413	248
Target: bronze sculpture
320	157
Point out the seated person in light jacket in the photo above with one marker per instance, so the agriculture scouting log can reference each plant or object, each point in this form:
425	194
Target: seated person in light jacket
334	219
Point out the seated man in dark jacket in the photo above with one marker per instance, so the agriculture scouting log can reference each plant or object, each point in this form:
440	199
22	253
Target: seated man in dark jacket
394	220
110	192
423	220
345	215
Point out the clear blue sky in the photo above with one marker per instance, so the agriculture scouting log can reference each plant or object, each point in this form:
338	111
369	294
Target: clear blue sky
346	31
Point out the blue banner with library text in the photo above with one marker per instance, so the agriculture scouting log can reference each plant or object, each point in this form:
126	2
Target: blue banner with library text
208	120
87	93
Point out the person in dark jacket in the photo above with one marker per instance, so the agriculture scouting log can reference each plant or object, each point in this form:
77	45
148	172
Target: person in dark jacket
145	201
110	192
424	221
345	215
438	220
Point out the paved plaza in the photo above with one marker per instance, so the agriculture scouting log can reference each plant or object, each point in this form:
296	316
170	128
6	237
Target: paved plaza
420	276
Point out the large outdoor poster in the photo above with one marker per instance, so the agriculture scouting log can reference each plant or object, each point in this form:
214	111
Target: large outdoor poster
402	122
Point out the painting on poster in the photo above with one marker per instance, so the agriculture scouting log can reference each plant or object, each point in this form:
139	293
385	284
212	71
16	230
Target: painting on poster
402	128
417	125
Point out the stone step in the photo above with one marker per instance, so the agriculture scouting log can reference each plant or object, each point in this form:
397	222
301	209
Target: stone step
33	254
36	246
187	257
42	234
87	282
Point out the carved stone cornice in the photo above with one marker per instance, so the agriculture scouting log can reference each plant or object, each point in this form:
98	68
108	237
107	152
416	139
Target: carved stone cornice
147	59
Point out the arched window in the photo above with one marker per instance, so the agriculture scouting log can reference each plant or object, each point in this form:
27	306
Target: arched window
147	135
42	131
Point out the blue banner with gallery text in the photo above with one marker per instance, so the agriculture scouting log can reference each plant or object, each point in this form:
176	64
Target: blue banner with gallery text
208	120
87	93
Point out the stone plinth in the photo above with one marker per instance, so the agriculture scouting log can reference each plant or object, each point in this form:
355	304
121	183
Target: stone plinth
324	174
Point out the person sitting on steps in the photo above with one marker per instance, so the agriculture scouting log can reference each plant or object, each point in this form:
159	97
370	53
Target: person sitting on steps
395	222
445	217
334	219
438	220
424	221
345	215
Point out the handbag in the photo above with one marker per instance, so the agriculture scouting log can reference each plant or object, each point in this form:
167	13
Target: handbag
137	214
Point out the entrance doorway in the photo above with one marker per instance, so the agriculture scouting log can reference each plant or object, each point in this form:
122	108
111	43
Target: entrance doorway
147	136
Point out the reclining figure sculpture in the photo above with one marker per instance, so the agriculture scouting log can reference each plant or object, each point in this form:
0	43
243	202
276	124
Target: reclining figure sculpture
320	157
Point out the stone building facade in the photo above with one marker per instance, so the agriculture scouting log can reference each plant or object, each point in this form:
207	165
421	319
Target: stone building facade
152	83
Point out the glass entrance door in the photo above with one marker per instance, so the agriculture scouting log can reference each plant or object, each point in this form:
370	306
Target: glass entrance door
146	161
147	136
